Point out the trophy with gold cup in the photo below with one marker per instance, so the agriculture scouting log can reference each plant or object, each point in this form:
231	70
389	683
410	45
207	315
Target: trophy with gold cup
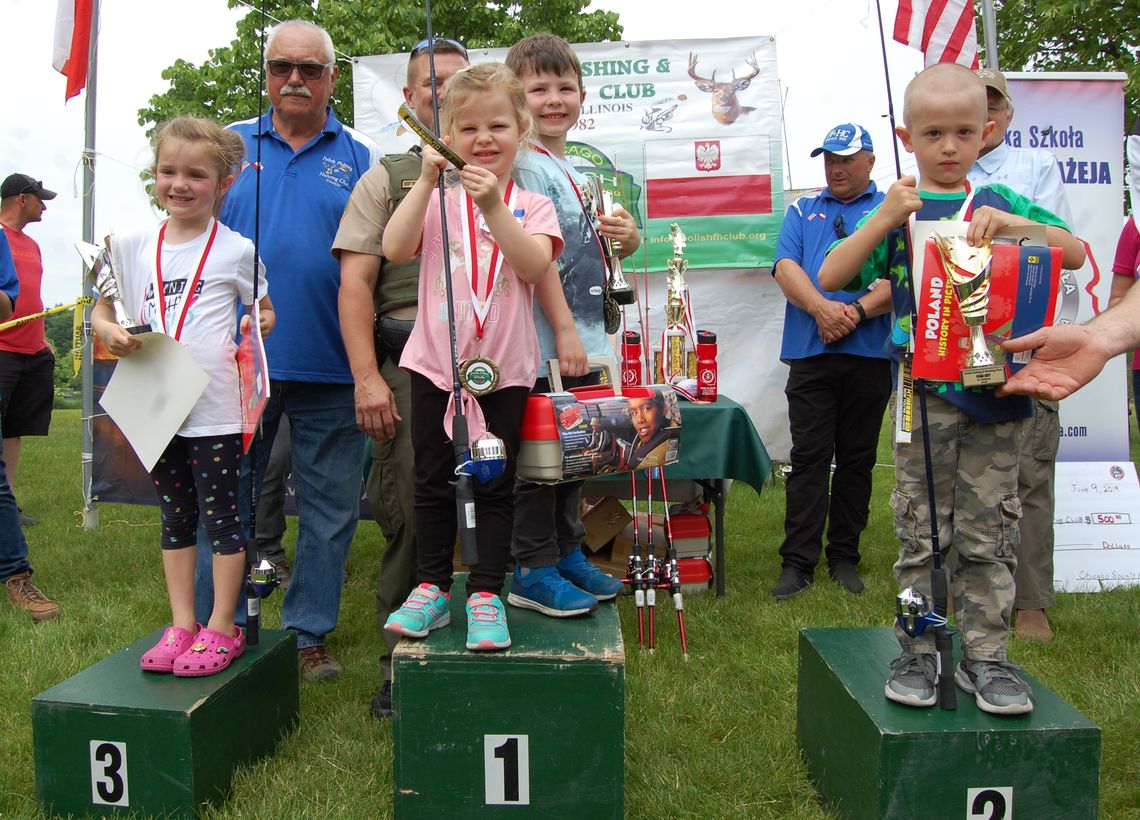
968	269
676	351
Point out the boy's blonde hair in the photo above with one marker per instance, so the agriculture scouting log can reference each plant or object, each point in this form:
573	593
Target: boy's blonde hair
226	148
544	52
941	80
470	83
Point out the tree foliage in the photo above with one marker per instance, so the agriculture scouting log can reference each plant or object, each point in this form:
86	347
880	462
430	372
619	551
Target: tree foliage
225	86
1073	35
57	328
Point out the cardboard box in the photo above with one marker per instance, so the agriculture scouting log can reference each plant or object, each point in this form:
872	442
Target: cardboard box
603	521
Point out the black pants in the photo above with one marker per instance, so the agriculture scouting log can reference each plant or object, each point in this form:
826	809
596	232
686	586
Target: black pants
436	523
835	406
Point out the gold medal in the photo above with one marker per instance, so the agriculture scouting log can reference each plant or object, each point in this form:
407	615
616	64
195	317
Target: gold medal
478	375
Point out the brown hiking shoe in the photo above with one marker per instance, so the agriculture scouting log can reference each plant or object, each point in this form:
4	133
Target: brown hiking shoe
25	595
317	664
1032	625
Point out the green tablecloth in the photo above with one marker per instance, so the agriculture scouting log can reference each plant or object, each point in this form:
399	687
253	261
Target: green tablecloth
718	440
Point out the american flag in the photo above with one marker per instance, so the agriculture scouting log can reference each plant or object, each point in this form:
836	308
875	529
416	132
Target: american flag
943	30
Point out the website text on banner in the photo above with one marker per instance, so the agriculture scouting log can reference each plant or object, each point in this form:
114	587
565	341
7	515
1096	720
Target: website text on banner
686	130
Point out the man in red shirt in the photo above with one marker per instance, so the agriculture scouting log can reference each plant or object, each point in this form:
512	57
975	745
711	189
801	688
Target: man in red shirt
27	362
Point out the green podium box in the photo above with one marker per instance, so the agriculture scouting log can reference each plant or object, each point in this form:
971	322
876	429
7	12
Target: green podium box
873	758
537	730
115	739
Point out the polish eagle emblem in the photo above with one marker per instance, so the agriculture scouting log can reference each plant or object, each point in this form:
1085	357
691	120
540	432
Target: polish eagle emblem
707	155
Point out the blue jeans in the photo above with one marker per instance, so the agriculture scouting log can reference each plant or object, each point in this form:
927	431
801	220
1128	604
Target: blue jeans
328	462
13	546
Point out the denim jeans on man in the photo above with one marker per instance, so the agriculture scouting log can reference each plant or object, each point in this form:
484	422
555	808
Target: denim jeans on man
13	546
328	460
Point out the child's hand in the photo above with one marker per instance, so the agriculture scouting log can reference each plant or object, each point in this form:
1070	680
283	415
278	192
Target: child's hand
985	222
118	341
901	201
572	359
621	228
433	164
482	185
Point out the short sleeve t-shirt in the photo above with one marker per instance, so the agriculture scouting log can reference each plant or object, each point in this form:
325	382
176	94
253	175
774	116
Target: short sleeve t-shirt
1127	262
509	338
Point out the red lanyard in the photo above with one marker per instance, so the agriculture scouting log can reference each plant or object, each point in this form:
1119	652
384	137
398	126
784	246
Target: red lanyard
191	286
590	218
481	298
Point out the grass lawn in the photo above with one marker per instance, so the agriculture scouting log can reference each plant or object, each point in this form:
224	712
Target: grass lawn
714	737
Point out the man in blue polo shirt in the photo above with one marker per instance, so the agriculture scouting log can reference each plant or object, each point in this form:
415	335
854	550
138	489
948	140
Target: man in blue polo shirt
839	379
309	165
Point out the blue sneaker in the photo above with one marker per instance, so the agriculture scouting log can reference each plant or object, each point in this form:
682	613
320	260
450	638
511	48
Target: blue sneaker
545	590
426	609
584	575
486	623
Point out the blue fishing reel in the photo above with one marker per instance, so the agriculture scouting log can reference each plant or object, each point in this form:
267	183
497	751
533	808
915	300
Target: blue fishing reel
915	612
262	578
488	458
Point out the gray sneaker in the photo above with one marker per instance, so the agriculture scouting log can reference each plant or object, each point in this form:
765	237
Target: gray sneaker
996	687
913	680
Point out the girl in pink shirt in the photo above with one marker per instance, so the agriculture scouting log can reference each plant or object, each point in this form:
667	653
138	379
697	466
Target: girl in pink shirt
501	241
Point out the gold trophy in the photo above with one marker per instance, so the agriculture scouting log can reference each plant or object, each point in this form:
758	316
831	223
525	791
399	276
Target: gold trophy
969	271
674	358
103	276
620	290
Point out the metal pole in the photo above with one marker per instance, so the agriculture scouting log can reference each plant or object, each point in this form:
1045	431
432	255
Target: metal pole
90	511
989	32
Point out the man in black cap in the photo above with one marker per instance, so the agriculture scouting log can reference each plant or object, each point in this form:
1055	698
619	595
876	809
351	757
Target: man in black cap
27	361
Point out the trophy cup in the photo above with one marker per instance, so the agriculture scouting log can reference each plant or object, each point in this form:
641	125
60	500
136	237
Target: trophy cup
674	358
620	290
969	271
102	276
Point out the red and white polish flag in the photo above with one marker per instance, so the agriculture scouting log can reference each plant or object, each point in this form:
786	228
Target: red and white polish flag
943	30
72	49
717	176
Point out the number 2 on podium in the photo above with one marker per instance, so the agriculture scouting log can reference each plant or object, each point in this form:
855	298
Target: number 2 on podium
506	770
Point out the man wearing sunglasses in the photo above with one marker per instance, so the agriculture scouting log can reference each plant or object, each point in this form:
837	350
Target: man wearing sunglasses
377	310
839	377
27	361
309	165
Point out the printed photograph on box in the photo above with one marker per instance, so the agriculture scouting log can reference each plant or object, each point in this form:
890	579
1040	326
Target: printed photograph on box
618	433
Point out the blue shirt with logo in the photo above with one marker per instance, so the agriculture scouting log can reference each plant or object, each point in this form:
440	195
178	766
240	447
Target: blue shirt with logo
9	279
810	228
303	194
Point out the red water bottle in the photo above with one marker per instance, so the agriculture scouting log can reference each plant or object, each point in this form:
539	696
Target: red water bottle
706	365
631	359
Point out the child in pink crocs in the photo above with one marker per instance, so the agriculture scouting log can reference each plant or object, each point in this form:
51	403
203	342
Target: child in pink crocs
183	279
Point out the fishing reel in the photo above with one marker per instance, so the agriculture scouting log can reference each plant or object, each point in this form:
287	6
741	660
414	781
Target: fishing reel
915	612
262	579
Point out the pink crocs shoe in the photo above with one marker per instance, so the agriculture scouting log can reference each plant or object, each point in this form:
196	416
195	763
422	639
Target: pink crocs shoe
210	653
160	657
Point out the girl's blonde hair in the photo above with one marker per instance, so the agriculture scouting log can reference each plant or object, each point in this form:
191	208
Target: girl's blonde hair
468	84
226	148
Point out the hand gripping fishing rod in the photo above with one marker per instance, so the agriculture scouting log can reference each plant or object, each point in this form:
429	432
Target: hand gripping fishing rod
464	489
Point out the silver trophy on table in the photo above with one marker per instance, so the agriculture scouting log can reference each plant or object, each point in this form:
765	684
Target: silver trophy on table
968	269
104	278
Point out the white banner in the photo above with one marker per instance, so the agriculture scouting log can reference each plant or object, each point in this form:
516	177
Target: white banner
1079	118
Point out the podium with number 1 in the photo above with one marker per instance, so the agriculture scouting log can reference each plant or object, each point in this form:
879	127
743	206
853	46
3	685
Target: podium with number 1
536	730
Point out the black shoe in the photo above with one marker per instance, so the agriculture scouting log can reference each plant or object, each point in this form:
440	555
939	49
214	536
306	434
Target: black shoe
845	575
26	520
382	704
792	582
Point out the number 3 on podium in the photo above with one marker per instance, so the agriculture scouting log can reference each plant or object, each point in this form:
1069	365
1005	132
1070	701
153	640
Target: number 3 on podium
506	770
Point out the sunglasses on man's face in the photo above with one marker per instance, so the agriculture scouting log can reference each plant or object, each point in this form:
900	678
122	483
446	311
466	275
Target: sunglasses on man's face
308	71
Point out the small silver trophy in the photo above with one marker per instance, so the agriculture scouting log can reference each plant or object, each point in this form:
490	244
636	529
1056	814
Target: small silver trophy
969	271
102	276
620	290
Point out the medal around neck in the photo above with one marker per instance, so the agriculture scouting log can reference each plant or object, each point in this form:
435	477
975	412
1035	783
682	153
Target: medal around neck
478	375
968	269
104	278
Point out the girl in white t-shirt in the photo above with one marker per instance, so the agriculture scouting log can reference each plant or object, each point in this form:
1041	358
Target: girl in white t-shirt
501	242
183	278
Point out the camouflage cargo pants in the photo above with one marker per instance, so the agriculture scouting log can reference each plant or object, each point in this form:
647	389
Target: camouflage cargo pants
975	486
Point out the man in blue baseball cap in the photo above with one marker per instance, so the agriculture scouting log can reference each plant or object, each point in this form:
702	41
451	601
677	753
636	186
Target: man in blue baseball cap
839	376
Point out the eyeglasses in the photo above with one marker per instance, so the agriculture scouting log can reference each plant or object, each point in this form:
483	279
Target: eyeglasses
308	71
449	45
840	228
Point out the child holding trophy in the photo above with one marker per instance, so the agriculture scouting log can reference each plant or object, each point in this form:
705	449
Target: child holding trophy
501	241
974	436
552	575
183	279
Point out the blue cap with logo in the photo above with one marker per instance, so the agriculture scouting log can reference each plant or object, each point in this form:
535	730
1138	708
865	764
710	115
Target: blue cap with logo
844	140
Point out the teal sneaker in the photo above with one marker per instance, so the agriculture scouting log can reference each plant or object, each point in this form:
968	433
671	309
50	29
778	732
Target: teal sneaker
584	575
544	590
486	623
426	609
